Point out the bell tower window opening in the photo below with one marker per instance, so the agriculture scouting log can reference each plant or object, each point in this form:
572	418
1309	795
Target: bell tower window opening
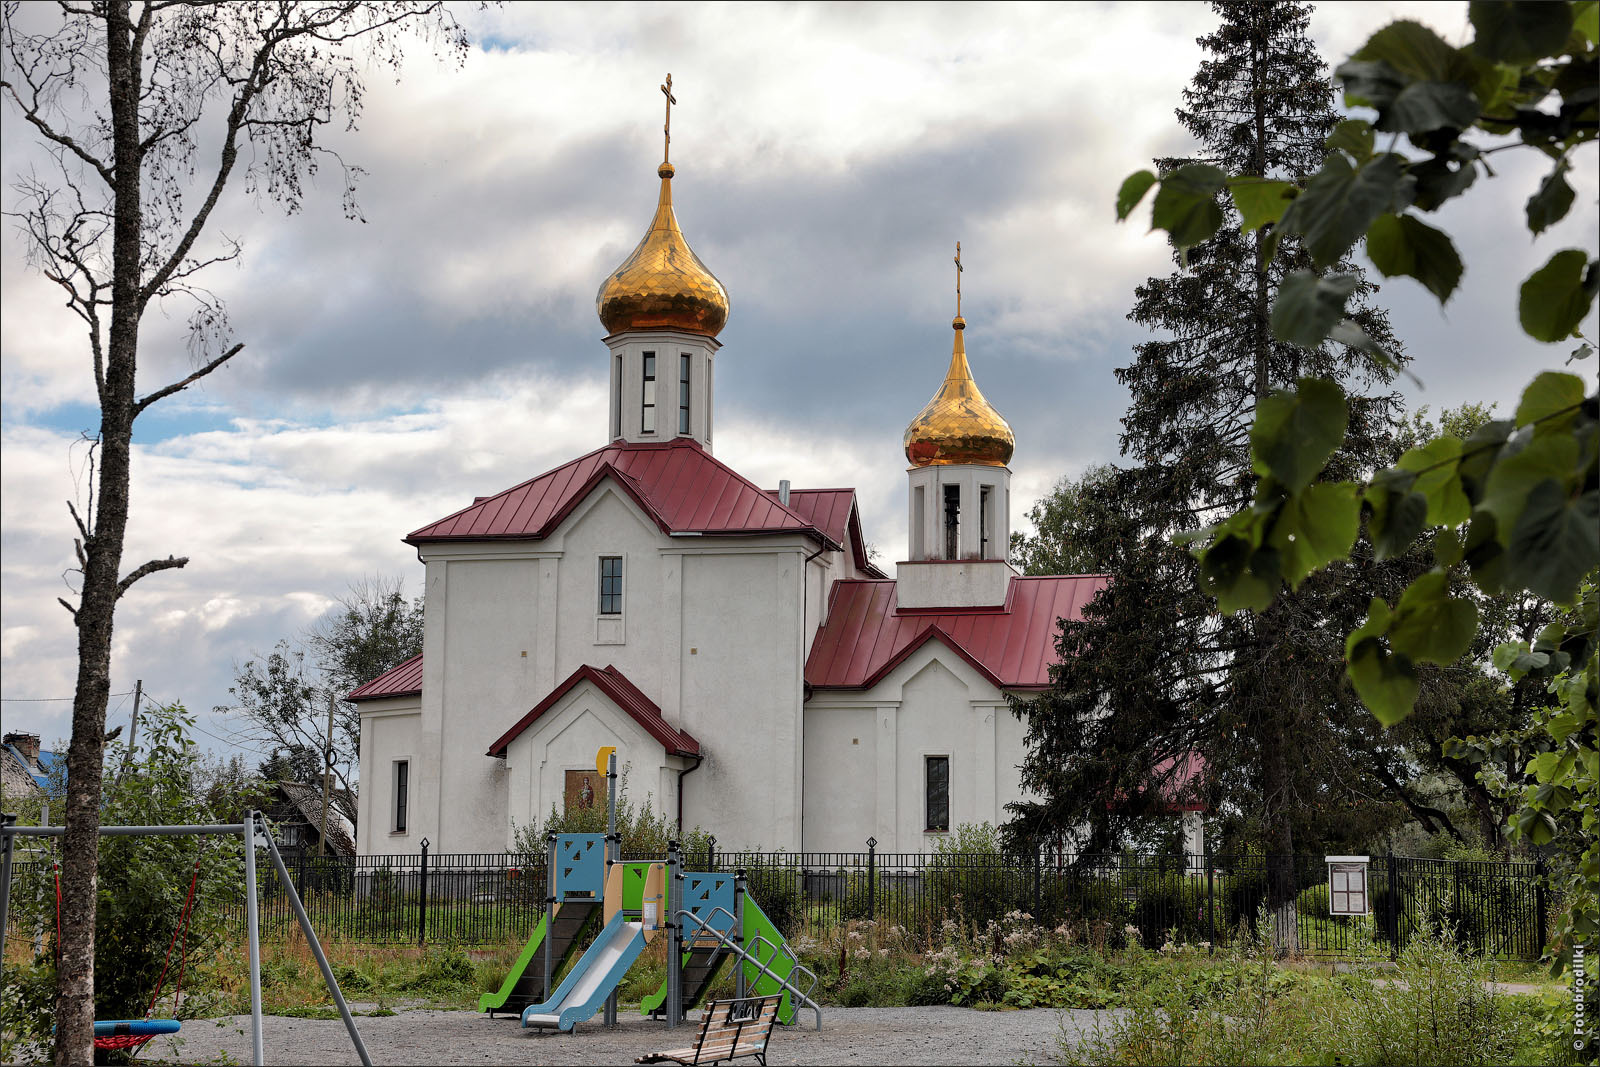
683	393
919	524
983	522
616	397
647	403
952	522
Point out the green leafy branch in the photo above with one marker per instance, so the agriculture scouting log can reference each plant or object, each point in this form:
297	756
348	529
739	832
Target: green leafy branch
1516	503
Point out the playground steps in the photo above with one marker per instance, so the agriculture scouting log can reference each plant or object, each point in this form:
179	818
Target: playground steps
700	966
571	917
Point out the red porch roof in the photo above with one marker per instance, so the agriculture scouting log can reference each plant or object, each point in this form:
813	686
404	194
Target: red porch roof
621	692
867	635
677	483
402	681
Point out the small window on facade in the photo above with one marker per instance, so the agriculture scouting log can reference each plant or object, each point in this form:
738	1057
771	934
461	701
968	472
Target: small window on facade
952	522
683	393
647	410
611	585
983	522
938	791
402	781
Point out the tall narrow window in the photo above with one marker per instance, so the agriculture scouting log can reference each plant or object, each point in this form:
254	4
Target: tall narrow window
983	523
402	782
919	524
616	398
938	792
683	393
647	404
952	522
611	585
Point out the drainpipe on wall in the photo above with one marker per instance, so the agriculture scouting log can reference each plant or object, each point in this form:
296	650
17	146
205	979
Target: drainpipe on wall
687	770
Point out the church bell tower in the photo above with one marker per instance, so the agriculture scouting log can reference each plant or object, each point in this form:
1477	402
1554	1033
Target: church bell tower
960	524
662	310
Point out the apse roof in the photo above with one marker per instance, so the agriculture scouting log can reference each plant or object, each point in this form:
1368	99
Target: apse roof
621	692
834	512
677	483
867	633
402	681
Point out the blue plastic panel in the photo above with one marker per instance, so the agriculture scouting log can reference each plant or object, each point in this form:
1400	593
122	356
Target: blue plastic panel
703	894
580	865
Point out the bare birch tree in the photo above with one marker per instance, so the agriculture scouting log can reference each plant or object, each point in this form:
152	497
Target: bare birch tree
148	112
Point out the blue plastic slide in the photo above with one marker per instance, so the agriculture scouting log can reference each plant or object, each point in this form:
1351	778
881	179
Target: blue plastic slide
591	980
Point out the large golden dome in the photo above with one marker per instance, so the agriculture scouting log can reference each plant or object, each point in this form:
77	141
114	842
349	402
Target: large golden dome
663	285
959	425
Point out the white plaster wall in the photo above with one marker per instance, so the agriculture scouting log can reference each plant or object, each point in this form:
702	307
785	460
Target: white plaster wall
608	523
741	652
841	795
933	704
953	584
566	737
390	730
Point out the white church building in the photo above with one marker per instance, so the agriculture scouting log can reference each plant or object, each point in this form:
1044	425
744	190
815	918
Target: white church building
758	675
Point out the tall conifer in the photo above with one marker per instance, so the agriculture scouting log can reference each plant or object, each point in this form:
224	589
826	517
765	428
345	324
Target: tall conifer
1153	672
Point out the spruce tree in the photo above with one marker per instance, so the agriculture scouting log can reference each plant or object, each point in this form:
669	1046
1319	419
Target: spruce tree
1153	672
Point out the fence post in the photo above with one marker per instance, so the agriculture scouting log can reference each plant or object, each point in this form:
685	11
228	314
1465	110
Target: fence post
1211	900
711	853
1038	880
1394	907
422	897
674	941
1541	903
872	871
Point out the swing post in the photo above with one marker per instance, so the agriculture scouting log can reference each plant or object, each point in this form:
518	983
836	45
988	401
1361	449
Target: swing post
252	924
7	821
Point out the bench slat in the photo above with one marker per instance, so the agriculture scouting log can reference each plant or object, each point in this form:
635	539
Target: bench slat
724	1038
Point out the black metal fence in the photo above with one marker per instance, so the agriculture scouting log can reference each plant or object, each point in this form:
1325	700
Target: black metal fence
1497	909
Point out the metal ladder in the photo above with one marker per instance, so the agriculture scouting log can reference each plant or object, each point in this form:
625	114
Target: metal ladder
801	996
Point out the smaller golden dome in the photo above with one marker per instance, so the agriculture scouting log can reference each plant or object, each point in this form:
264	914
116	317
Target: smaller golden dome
959	425
663	285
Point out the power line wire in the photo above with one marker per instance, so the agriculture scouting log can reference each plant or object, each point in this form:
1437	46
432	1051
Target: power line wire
43	700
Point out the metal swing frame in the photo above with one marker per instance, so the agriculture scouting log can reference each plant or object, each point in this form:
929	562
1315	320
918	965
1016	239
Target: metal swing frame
255	833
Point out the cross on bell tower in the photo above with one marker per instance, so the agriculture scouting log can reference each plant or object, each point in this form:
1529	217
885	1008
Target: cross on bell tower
666	128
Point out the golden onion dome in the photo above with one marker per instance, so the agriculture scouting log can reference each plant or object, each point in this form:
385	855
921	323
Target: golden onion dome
959	425
663	285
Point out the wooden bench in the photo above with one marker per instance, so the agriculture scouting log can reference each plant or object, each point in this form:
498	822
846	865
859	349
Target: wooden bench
729	1030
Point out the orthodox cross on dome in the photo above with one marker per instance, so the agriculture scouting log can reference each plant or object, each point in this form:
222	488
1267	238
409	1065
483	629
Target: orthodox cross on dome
666	129
959	270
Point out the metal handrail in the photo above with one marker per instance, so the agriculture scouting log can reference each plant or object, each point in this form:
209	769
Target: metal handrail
762	968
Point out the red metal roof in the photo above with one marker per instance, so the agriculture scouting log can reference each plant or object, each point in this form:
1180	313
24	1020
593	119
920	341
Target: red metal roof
867	635
834	512
1180	778
402	681
677	483
621	692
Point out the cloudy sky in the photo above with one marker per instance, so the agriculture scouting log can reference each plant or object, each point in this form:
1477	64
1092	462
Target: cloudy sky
828	158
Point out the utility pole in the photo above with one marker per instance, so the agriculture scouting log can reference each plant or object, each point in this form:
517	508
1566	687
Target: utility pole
133	728
327	780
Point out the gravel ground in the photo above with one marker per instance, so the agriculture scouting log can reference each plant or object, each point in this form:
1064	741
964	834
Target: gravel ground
848	1035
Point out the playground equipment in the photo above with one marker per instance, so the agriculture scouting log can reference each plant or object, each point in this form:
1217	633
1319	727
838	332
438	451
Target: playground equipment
724	923
127	1033
118	1034
577	872
592	982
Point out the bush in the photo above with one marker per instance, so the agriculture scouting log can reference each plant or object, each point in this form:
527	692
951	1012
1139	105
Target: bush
969	866
645	831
